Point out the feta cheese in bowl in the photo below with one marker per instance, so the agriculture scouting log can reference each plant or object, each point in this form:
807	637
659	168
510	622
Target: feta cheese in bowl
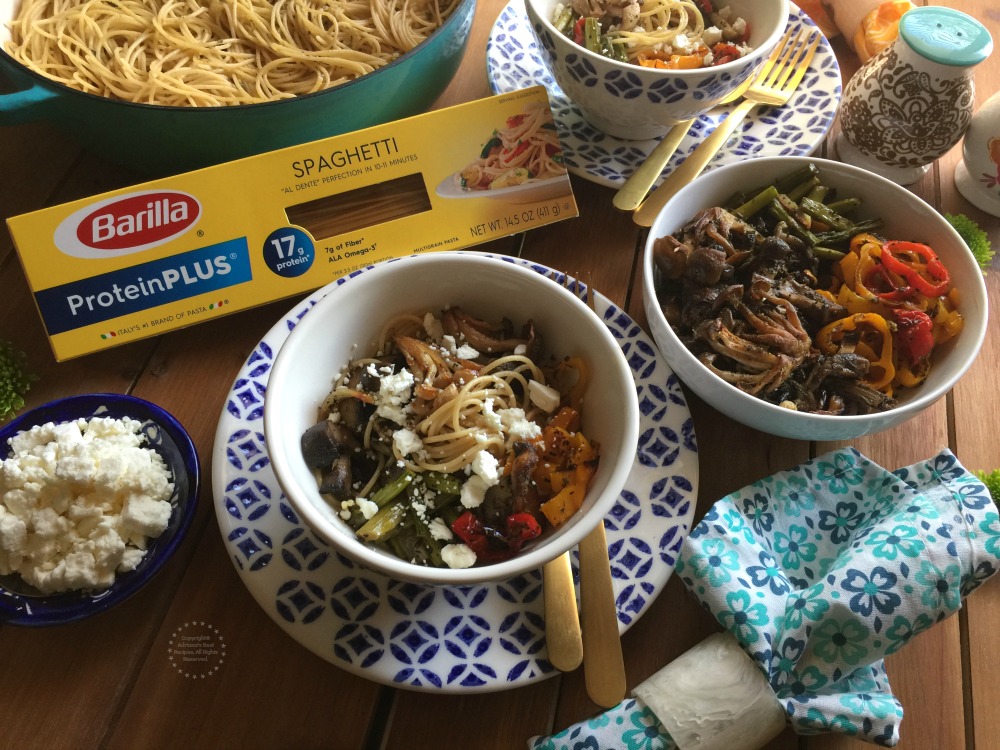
96	492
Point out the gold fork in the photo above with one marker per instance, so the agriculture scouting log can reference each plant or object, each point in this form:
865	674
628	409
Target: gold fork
773	86
603	663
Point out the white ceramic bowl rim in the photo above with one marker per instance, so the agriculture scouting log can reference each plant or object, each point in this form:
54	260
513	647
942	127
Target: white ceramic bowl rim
565	538
768	166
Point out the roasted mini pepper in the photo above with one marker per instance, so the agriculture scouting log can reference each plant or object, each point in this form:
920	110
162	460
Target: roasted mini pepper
948	321
494	545
908	376
567	463
914	335
919	265
867	334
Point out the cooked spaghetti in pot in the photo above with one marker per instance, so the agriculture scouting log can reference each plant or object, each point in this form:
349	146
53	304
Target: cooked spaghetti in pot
216	52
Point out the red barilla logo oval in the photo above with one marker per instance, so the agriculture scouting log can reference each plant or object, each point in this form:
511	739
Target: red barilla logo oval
127	224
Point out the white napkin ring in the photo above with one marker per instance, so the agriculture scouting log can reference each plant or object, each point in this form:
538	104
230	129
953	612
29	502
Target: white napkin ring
713	697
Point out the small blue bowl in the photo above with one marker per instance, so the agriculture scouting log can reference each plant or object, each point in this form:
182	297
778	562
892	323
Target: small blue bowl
166	436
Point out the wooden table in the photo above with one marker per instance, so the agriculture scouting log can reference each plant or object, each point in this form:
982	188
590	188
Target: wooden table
108	682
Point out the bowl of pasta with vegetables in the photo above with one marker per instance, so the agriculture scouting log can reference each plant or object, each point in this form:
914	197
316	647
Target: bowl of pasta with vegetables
636	68
451	418
811	299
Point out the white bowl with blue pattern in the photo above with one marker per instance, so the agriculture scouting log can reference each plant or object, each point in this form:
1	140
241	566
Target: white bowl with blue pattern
632	102
445	639
347	323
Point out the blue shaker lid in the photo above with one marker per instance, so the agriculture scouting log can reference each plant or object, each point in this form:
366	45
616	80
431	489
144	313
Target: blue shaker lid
946	36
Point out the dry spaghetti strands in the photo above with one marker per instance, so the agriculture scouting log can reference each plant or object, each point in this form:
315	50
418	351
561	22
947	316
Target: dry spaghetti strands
216	52
361	208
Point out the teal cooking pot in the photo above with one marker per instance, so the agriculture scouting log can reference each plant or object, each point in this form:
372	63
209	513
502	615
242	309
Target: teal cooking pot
158	140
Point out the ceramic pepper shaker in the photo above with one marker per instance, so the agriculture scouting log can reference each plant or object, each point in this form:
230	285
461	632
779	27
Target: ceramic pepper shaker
977	176
913	102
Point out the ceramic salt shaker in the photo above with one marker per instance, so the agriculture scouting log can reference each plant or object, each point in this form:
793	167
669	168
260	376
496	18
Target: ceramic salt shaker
911	103
977	176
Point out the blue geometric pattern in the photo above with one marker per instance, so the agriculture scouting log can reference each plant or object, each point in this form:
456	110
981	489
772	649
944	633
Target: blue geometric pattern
515	60
437	638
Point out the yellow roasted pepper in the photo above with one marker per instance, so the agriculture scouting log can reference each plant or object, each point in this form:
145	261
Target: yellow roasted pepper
867	334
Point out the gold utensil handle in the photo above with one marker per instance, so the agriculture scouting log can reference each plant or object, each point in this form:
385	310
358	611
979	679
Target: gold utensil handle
692	166
629	196
563	639
603	664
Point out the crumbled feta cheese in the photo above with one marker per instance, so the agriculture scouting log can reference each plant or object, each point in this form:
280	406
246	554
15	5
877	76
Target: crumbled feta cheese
543	396
439	530
407	442
78	503
520	349
395	392
486	467
490	417
143	517
458	556
367	507
474	491
432	326
517	425
466	352
711	36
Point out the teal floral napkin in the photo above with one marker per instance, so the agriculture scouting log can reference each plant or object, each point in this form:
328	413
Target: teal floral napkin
820	572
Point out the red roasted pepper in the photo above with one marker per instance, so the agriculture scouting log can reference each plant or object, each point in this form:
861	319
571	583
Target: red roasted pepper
724	52
491	545
914	335
521	528
918	264
887	287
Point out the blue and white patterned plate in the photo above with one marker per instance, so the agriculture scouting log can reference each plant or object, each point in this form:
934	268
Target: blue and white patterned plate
514	62
444	639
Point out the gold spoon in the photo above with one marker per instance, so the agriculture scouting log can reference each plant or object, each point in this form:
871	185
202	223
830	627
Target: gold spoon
603	664
563	639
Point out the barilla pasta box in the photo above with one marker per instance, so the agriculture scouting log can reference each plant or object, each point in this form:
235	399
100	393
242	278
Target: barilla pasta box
169	253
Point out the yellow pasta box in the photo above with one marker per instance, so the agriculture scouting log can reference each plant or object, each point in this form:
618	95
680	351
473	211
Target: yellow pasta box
169	253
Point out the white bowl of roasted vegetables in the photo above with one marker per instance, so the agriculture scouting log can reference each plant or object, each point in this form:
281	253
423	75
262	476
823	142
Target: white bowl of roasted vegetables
811	299
636	68
451	418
